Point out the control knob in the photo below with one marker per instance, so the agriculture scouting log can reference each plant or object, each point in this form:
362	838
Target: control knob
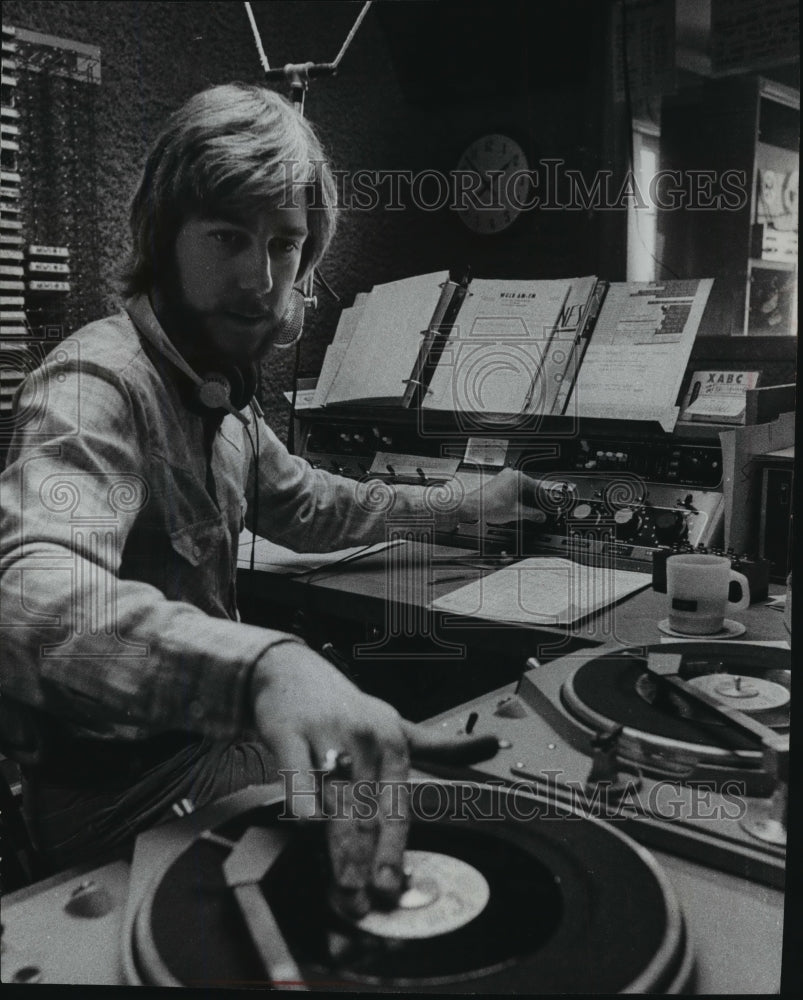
627	522
559	498
584	516
670	527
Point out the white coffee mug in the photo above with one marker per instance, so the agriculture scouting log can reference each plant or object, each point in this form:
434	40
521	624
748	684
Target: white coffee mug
697	586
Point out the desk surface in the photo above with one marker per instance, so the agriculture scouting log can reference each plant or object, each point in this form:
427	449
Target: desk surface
378	588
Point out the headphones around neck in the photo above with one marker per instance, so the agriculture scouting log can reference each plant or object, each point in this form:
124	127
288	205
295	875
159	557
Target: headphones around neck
215	390
222	391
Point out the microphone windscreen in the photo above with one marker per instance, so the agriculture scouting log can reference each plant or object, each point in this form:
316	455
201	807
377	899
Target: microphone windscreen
292	324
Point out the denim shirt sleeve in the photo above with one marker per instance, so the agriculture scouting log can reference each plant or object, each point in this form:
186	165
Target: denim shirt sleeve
86	635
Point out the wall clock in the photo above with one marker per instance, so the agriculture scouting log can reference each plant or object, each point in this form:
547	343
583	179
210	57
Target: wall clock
491	204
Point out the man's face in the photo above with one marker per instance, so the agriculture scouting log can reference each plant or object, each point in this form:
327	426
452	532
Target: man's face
234	278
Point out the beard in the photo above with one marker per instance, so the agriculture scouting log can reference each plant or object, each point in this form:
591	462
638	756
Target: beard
210	340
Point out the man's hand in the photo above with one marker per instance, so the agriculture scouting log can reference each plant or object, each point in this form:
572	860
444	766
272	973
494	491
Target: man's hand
304	708
508	496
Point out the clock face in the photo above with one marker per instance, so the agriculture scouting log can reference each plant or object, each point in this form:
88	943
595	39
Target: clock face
494	184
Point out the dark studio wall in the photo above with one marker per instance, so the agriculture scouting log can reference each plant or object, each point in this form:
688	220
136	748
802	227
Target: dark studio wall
419	82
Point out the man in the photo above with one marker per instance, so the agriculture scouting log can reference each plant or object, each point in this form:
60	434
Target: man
137	459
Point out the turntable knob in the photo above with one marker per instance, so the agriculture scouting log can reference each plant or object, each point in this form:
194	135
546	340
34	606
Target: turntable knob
510	708
605	775
670	527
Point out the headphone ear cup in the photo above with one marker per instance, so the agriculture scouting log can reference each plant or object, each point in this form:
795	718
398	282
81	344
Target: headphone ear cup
214	392
231	391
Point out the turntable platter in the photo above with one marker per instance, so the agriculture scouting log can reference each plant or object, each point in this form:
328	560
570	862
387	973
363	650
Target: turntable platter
517	895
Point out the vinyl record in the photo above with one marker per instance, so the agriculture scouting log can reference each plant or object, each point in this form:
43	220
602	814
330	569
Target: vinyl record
661	726
516	895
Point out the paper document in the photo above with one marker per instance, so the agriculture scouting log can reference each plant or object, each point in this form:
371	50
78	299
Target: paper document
336	351
634	365
273	558
383	348
305	398
769	643
718	396
568	344
543	591
718	407
497	348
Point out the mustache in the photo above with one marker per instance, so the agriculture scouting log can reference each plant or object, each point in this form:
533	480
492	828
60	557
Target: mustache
250	307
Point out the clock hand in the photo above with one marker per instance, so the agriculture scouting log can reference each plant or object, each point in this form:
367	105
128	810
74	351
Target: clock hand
479	173
488	174
515	156
473	165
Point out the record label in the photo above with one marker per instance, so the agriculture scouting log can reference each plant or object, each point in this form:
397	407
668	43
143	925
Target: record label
443	894
747	694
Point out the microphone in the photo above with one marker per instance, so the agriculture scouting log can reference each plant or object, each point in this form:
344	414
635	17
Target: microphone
291	327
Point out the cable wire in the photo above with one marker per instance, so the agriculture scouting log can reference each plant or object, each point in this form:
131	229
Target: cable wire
307	574
353	32
263	59
327	286
255	453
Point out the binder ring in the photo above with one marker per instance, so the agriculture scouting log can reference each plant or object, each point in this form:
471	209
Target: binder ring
418	382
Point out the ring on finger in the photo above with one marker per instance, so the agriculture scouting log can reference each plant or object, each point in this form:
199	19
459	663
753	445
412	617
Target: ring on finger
337	763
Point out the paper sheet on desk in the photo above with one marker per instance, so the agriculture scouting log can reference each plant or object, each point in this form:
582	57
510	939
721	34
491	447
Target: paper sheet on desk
543	591
770	643
273	558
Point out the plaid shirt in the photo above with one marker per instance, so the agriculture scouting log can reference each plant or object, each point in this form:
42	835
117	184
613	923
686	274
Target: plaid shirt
122	505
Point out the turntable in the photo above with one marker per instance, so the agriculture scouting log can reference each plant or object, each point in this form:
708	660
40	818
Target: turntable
686	744
504	893
626	840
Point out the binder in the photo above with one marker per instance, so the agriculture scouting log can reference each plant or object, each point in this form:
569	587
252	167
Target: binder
577	346
434	340
409	343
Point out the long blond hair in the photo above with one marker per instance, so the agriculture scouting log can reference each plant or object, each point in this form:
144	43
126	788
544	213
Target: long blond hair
236	147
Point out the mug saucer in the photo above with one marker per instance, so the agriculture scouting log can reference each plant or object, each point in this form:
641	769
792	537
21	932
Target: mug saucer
730	629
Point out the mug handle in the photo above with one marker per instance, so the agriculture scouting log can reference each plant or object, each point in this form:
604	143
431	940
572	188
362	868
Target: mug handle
744	600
